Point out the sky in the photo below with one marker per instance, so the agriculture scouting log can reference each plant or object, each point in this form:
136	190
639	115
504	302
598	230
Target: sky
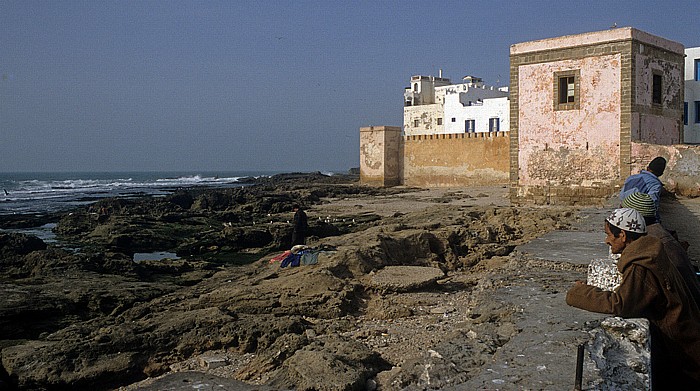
256	85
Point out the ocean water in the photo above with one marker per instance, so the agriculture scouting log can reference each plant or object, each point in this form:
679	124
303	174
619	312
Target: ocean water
28	192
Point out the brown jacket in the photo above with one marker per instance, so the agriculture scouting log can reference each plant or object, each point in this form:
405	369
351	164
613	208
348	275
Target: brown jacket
678	257
651	288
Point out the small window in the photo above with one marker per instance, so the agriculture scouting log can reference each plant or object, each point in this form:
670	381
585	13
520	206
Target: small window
454	119
567	90
697	111
470	126
697	69
656	88
494	124
685	113
439	121
416	123
415	87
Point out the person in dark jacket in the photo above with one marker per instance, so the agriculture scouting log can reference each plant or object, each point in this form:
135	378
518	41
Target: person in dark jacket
301	226
651	288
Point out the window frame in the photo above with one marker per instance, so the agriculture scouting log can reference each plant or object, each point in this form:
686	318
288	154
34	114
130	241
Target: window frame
467	122
559	76
657	89
494	122
697	111
697	69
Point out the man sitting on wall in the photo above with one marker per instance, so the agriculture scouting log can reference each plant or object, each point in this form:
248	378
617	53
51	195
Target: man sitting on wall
651	288
647	181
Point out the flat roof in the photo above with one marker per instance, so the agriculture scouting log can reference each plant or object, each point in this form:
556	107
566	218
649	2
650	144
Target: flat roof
596	37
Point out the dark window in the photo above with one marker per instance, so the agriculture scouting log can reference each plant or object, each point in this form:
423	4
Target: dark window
494	124
656	88
439	120
697	111
685	113
415	87
697	69
566	89
470	126
454	119
416	123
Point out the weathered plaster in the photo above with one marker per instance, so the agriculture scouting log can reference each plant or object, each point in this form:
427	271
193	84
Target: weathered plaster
455	159
379	155
682	174
672	83
569	147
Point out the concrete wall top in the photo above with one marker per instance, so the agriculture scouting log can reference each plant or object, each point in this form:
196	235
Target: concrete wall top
377	128
596	37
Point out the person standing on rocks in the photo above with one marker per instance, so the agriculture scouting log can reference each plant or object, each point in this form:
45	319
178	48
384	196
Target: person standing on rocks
301	226
651	288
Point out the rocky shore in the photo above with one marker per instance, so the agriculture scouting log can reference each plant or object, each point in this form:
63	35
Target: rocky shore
413	289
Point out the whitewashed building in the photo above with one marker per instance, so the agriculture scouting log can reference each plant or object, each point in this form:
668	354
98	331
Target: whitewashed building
691	106
434	106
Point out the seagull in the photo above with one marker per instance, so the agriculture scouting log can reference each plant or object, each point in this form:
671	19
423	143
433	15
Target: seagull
614	26
6	193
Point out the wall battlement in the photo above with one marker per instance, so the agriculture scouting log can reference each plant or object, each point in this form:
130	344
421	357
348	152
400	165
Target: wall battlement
448	136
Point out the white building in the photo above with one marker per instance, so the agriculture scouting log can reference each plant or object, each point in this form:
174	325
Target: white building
691	107
454	108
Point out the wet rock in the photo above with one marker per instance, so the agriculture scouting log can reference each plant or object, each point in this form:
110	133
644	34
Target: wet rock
19	244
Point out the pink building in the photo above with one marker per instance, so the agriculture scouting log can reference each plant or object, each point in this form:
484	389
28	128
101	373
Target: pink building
578	103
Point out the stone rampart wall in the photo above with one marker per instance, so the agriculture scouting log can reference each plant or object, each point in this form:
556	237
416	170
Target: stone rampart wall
459	159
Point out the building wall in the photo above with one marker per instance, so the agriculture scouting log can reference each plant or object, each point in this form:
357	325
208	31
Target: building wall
653	123
582	155
453	101
570	147
446	160
427	116
480	113
380	155
691	132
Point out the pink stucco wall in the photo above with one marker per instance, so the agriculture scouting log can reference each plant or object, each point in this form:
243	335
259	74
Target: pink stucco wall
570	147
661	127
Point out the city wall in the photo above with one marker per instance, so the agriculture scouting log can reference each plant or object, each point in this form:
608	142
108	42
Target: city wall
453	160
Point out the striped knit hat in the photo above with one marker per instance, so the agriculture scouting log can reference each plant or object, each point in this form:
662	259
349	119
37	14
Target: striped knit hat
628	219
642	203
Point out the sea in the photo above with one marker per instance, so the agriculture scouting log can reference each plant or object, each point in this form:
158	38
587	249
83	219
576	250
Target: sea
43	192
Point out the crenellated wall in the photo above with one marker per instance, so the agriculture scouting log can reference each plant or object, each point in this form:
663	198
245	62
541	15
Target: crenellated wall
458	159
439	160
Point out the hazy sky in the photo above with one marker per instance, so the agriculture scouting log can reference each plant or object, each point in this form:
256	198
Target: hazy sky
237	85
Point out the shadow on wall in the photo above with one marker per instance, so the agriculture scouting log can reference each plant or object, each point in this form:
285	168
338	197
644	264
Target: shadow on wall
683	216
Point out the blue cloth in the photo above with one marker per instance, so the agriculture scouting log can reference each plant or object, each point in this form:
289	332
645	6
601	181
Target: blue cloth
292	260
644	182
